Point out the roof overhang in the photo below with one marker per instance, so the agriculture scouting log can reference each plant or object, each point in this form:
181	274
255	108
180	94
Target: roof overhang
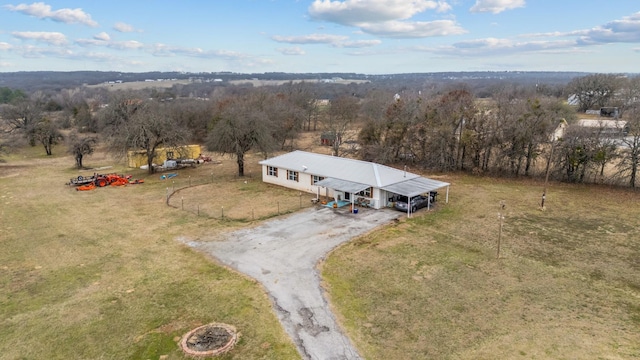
415	186
342	185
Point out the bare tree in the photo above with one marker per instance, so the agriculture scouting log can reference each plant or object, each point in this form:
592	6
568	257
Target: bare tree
628	94
339	120
22	116
80	146
630	150
241	124
287	116
303	97
594	90
142	125
46	132
446	121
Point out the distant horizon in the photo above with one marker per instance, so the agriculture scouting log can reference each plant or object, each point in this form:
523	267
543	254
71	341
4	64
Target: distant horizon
373	37
311	73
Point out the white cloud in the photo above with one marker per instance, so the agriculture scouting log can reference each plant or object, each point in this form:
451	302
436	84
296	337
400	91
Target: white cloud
5	64
386	17
125	45
496	6
494	46
358	43
103	39
43	11
337	41
124	27
403	29
30	51
53	38
103	36
626	30
310	39
91	42
5	46
291	51
164	50
354	12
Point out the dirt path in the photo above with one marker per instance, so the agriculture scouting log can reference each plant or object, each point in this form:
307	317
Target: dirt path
282	254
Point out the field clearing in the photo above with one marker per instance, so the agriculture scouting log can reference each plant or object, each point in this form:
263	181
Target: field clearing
140	85
258	82
100	275
566	286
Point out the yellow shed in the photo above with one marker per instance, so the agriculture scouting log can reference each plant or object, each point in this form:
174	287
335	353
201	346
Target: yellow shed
137	158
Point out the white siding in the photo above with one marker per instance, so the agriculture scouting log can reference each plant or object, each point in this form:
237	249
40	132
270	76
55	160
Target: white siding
303	183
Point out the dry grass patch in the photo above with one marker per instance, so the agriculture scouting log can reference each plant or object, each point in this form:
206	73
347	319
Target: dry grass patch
99	274
567	284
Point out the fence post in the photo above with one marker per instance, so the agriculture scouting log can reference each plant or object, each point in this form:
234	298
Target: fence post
189	180
182	200
167	195
222	212
252	215
212	177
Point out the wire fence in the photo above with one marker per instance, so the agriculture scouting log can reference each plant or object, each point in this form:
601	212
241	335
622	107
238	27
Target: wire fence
233	198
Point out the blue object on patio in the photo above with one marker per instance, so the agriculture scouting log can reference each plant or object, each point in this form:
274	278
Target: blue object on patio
340	203
168	176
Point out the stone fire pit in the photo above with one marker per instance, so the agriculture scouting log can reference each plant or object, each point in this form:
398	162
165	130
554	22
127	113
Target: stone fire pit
209	340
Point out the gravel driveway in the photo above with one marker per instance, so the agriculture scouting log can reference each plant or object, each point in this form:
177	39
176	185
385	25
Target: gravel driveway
282	254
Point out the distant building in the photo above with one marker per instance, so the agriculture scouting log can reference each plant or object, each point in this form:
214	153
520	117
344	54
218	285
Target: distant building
609	112
329	138
610	128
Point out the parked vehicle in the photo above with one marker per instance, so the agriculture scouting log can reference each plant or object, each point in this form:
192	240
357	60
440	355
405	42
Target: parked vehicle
417	202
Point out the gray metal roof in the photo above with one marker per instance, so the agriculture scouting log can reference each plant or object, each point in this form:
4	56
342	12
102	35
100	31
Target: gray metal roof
416	186
342	185
357	171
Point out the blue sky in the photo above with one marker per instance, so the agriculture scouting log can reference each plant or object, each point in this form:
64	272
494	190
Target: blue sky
363	36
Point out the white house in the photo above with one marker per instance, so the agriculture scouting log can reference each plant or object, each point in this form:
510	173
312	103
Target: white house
346	180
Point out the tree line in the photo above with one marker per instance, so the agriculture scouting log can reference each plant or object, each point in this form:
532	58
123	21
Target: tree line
511	131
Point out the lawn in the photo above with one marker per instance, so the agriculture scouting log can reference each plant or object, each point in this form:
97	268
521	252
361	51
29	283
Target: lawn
566	285
100	275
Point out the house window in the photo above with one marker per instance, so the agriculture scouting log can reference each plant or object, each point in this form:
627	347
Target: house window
315	179
366	192
292	175
272	171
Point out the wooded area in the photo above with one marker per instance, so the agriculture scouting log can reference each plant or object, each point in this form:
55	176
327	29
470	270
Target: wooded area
499	129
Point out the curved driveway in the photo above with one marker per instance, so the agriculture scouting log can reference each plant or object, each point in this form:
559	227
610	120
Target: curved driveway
282	254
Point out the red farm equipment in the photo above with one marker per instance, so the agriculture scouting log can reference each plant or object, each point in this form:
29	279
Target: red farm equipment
102	180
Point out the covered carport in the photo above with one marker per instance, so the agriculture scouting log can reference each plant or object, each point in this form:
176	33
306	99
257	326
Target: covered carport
416	186
343	186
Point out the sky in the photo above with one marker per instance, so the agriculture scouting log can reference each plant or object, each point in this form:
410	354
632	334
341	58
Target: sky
319	36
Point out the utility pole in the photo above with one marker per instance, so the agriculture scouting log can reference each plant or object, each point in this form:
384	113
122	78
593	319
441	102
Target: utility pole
546	176
501	218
